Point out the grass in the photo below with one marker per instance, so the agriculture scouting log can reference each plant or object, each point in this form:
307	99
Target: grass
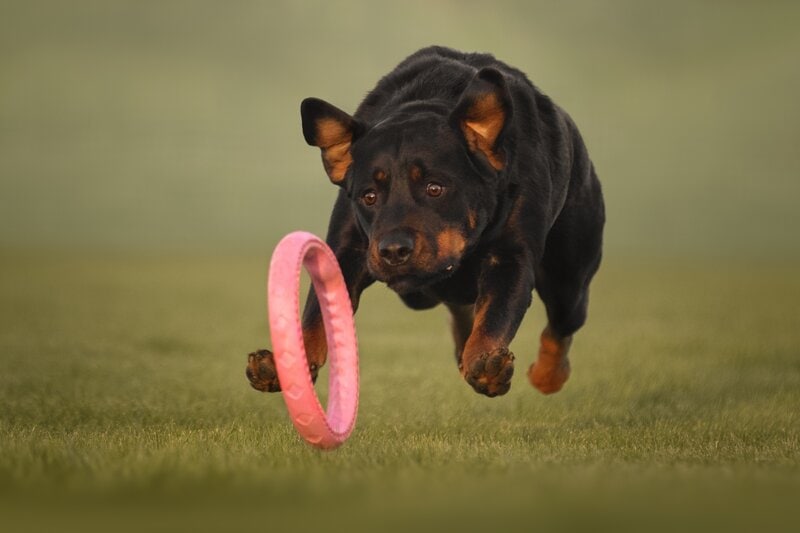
125	405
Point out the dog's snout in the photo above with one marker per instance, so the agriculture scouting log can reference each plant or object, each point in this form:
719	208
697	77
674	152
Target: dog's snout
396	248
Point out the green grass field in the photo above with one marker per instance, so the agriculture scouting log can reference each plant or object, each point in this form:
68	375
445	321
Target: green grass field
125	406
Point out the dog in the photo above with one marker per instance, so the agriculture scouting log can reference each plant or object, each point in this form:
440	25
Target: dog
460	184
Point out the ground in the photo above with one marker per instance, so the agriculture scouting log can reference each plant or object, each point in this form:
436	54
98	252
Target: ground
125	404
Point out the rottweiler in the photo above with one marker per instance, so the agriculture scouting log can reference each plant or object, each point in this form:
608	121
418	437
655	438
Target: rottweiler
460	184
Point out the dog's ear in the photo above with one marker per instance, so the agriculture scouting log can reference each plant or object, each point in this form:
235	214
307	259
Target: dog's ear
333	131
482	114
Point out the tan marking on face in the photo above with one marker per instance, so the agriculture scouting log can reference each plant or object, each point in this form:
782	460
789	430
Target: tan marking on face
334	139
415	173
379	175
374	257
472	219
451	243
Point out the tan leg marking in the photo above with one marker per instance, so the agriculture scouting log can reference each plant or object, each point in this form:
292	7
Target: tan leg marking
316	345
551	370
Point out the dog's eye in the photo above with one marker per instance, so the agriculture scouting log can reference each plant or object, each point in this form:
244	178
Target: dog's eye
369	197
434	189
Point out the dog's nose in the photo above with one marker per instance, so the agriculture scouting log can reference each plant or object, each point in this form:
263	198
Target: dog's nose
396	248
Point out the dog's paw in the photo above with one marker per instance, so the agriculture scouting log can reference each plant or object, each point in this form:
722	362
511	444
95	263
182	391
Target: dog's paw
549	374
490	373
262	374
551	369
261	371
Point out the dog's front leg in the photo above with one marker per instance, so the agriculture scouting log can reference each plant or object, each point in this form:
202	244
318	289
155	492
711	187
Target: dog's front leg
504	295
352	262
350	250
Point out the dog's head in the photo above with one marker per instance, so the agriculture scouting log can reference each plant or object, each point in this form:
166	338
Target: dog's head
423	180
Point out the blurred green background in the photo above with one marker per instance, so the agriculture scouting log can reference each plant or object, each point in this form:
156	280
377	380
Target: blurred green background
175	125
151	157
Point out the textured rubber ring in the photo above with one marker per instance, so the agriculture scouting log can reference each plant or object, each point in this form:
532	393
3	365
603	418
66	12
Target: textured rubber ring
318	428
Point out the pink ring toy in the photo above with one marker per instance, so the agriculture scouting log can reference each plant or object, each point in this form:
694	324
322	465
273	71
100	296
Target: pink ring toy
319	429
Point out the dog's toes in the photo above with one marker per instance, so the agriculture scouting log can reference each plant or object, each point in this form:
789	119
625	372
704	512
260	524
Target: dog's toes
261	371
490	373
478	367
499	390
262	374
494	365
505	373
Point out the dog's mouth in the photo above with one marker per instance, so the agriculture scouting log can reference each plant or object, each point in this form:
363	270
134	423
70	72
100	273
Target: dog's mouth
406	282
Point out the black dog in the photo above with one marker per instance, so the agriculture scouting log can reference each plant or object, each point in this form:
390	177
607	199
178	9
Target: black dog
461	184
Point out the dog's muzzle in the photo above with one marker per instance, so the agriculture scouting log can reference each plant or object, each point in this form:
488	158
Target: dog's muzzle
396	247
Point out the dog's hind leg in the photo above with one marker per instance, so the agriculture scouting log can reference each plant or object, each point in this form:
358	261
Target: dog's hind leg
571	259
566	312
